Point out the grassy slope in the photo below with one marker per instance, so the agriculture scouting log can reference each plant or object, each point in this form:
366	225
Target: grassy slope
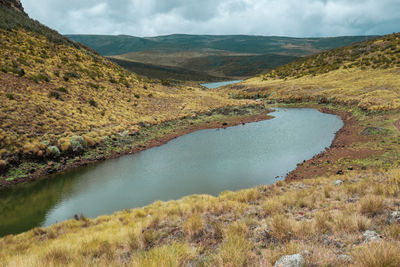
257	226
52	89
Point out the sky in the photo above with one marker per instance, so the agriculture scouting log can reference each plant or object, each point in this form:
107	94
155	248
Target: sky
296	18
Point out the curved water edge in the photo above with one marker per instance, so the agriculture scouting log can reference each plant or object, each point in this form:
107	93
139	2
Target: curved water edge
219	84
203	162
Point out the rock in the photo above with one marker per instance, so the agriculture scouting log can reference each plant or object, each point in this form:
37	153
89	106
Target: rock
371	236
345	258
3	166
14	4
394	217
338	182
54	151
77	143
295	260
124	133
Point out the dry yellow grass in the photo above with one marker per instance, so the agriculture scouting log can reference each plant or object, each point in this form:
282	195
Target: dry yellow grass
225	230
65	91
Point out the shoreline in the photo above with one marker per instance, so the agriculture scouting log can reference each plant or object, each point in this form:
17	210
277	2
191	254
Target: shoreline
307	169
341	147
46	173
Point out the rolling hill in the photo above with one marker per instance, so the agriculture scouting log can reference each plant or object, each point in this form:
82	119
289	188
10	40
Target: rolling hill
344	211
57	94
341	208
224	57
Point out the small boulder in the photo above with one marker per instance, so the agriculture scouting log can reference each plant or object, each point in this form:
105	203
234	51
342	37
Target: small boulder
338	182
345	259
124	133
295	260
394	217
370	236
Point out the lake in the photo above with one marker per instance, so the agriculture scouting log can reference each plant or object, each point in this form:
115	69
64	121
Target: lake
206	161
219	84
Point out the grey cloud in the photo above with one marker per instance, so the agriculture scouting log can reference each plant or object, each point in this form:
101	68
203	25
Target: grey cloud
262	17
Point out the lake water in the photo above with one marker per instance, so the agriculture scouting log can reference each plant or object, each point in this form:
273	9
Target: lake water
219	84
206	161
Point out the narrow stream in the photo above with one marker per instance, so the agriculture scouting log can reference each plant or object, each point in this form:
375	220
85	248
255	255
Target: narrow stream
206	161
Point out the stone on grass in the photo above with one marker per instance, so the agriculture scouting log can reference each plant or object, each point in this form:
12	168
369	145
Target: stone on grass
338	182
295	260
371	236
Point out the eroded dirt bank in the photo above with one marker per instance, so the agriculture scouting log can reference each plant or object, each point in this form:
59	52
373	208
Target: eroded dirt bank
342	148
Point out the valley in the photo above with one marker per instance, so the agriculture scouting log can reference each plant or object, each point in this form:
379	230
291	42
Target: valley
149	166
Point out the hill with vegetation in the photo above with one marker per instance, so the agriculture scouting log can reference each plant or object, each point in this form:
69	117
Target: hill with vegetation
224	57
363	75
59	98
340	208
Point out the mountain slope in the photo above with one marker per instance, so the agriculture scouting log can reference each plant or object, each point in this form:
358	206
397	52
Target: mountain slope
348	215
52	89
364	75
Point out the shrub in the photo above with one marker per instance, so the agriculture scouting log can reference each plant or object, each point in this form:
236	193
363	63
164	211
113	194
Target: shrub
10	96
55	94
62	90
235	249
372	205
40	77
379	254
93	103
193	226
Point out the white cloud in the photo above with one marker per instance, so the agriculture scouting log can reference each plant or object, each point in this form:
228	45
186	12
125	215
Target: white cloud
262	17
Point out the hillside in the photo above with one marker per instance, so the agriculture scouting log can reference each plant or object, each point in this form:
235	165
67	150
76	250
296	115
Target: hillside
60	98
363	75
226	57
343	212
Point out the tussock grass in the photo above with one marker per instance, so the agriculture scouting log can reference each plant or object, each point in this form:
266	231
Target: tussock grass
248	227
372	205
378	254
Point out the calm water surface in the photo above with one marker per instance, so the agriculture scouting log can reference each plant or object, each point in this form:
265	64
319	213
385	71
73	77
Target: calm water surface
207	161
219	84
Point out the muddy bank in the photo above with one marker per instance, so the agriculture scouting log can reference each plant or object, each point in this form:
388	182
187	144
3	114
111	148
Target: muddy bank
96	155
342	147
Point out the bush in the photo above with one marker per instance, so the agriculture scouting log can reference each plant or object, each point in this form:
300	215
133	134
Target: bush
379	254
93	103
40	77
193	226
55	94
62	90
372	205
10	96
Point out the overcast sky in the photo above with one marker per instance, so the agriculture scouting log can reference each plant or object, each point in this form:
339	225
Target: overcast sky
300	18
